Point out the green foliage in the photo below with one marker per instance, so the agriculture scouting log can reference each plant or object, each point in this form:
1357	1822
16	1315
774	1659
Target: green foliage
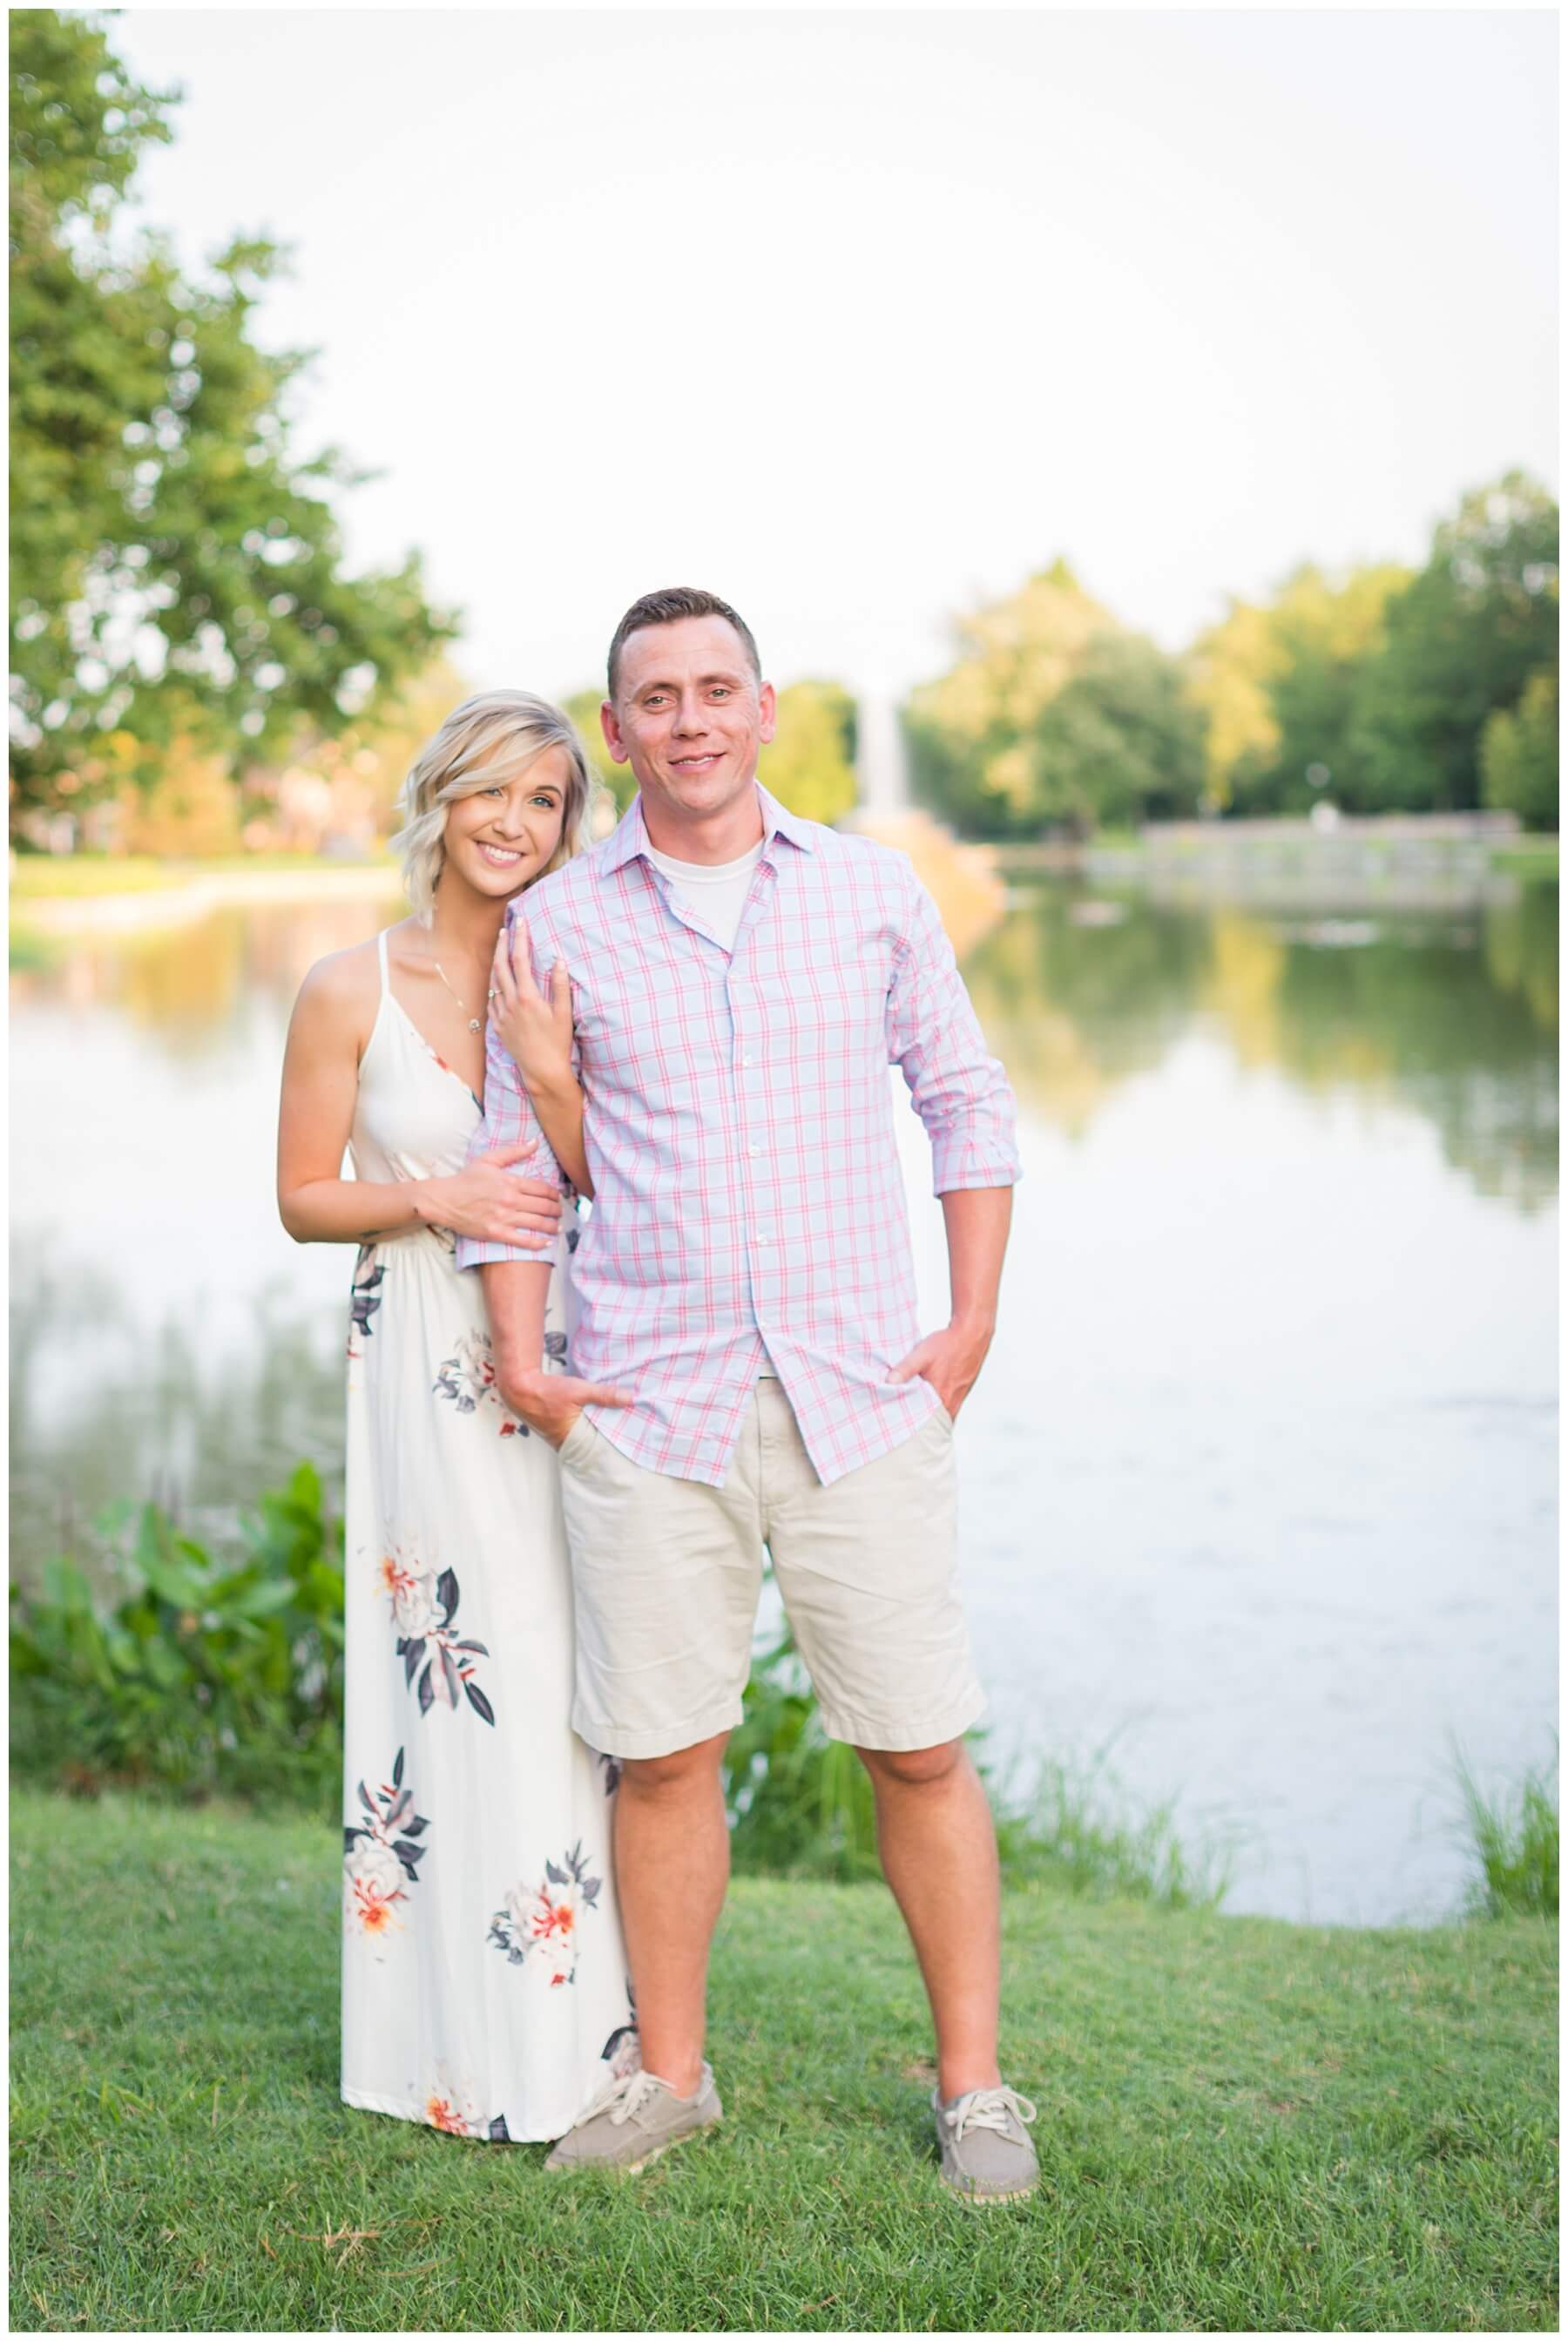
797	1801
176	568
1515	1842
1519	754
1464	639
1054	718
583	708
203	1675
1324	636
1229	671
810	765
1394	691
208	1677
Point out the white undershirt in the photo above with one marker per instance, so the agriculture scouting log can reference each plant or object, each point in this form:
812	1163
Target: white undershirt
718	890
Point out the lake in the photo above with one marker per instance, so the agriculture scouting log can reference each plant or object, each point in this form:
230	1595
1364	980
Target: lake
1259	1482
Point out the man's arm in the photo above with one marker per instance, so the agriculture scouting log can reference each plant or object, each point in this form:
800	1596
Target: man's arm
963	1097
977	1220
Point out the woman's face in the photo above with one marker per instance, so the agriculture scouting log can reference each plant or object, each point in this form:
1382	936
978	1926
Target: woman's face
497	837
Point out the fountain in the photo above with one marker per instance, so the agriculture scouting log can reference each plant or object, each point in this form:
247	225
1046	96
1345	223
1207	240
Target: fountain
964	879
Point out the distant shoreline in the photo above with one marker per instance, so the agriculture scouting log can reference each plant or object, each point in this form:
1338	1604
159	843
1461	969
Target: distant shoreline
179	895
80	893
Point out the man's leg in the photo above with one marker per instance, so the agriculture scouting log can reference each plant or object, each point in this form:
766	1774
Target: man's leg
671	1867
939	1850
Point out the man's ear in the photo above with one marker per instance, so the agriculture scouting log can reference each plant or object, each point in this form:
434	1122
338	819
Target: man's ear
768	709
611	731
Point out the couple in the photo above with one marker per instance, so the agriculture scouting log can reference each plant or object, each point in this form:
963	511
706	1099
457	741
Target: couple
689	1024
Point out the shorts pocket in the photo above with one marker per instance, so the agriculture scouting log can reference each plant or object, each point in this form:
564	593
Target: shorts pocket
578	1441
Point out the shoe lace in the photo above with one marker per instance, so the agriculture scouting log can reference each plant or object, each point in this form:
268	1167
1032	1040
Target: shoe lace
988	2109
629	2095
612	2098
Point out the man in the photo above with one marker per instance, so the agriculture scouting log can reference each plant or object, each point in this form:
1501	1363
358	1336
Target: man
741	980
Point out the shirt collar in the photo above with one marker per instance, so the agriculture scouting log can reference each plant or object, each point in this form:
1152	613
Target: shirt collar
630	837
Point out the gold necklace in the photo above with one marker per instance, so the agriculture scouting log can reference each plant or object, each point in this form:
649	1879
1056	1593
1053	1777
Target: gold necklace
475	1023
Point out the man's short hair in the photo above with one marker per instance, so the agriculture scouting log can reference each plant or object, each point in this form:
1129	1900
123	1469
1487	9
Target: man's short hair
679	602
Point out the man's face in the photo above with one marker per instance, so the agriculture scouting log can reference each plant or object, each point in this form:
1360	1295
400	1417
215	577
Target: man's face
689	714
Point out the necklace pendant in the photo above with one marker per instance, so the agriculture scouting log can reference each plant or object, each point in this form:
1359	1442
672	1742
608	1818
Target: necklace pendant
474	1025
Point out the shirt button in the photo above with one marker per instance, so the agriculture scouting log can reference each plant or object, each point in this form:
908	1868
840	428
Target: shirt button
753	1150
746	1060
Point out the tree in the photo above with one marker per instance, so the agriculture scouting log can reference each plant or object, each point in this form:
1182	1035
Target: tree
1055	716
1230	670
810	765
1463	639
1519	754
177	567
583	708
1324	635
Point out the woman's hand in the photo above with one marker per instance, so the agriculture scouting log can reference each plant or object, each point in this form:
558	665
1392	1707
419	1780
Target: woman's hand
536	1031
485	1200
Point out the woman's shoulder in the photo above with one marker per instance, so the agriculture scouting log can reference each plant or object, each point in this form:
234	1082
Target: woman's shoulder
344	985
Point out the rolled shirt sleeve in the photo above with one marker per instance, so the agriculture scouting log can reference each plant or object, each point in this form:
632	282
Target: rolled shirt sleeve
958	1089
510	1120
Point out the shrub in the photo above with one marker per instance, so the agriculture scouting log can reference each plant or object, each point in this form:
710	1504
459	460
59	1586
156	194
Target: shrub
203	1675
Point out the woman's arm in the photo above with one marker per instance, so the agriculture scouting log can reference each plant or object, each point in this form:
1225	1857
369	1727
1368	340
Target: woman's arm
537	1033
321	1083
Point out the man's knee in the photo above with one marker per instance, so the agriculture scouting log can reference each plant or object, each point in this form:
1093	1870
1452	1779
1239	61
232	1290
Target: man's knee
913	1767
682	1768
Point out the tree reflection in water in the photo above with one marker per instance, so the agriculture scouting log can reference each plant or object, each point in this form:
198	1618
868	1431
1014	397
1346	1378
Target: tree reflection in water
1452	1014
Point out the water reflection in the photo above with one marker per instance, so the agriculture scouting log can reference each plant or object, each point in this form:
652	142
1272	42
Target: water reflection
190	989
1452	1014
104	1406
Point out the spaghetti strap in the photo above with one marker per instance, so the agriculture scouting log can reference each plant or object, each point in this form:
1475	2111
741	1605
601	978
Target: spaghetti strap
382	956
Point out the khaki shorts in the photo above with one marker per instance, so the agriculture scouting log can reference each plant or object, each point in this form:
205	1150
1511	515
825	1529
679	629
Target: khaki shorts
666	1574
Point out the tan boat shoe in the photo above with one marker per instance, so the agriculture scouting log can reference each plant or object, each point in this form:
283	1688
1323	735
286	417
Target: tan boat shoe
633	2120
988	2156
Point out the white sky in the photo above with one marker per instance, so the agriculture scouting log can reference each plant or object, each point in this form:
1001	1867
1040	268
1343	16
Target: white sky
855	317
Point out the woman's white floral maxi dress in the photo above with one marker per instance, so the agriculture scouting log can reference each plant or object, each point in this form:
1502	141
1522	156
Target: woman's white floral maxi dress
484	1978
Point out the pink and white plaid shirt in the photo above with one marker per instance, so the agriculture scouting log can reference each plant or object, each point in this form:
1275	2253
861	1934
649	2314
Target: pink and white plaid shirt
749	1202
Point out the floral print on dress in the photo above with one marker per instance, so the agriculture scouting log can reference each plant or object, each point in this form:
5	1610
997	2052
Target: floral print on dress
365	1295
453	2111
423	1607
380	1854
467	1379
540	1923
623	2052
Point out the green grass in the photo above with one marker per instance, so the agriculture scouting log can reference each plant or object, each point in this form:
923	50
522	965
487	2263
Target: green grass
37	877
1528	857
1244	2124
1515	1842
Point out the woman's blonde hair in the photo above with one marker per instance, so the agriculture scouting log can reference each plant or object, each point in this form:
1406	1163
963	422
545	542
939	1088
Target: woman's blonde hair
488	739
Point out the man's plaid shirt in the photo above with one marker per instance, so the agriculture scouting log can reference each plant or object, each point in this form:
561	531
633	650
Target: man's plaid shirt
748	1205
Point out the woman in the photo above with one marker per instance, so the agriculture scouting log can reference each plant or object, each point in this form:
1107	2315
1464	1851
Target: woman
483	1981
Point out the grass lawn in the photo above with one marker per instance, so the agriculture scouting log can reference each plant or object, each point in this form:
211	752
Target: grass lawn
1528	857
39	877
1244	2124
